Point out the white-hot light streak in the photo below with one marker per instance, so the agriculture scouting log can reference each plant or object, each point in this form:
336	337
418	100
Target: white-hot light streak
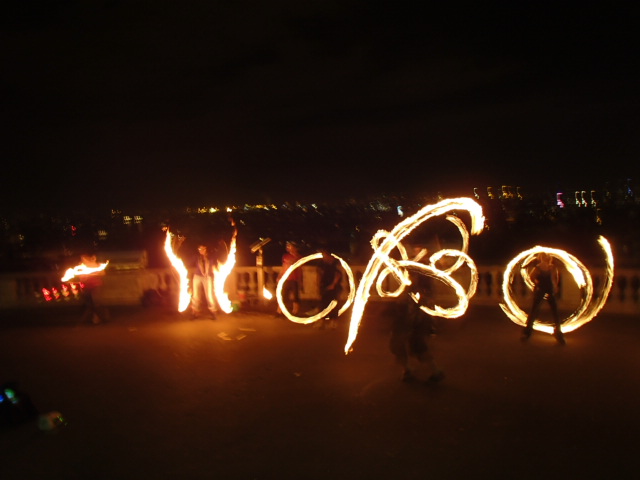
184	297
82	269
330	307
445	277
266	293
384	243
222	272
588	308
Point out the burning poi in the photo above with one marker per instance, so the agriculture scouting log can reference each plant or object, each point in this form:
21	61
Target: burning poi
381	263
589	306
184	296
82	269
330	307
222	272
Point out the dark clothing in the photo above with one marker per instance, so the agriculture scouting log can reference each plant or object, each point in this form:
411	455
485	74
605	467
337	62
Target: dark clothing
538	297
94	312
204	266
330	285
291	289
202	285
328	272
409	331
408	343
288	259
291	286
545	281
91	282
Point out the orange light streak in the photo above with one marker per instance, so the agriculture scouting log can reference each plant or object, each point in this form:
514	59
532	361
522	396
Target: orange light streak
384	243
588	307
82	269
222	272
184	297
331	306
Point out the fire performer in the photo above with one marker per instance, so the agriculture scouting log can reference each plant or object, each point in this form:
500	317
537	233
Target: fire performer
545	278
291	287
94	311
330	286
202	284
410	330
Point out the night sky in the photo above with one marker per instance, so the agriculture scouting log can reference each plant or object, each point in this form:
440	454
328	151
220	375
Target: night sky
158	102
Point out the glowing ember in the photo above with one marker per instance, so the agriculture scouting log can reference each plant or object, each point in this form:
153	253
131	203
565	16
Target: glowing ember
588	307
222	272
183	274
384	243
331	306
82	269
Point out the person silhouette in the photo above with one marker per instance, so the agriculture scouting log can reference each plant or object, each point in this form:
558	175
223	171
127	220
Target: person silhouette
545	277
203	295
410	329
329	285
94	310
291	286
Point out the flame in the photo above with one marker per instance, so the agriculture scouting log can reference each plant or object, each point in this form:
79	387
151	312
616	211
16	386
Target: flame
222	272
266	293
588	307
82	269
331	306
184	296
384	242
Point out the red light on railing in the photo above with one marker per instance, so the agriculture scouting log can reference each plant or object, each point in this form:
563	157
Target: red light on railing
47	295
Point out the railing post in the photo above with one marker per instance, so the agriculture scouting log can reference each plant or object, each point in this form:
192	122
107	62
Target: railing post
259	265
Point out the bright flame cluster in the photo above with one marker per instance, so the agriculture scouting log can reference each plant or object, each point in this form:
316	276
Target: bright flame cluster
220	277
381	264
82	269
589	306
183	274
73	288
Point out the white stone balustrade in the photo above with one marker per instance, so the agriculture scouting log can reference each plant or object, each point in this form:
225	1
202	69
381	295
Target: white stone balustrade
244	285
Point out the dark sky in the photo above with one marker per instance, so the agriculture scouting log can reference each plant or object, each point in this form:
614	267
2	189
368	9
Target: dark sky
123	103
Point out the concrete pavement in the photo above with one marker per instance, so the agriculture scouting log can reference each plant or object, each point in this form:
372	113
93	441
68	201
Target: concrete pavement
155	395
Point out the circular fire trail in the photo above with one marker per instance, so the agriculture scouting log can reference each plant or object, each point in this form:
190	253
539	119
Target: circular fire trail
332	305
589	306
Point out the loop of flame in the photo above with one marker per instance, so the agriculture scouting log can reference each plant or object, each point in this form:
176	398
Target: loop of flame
588	307
384	243
330	307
